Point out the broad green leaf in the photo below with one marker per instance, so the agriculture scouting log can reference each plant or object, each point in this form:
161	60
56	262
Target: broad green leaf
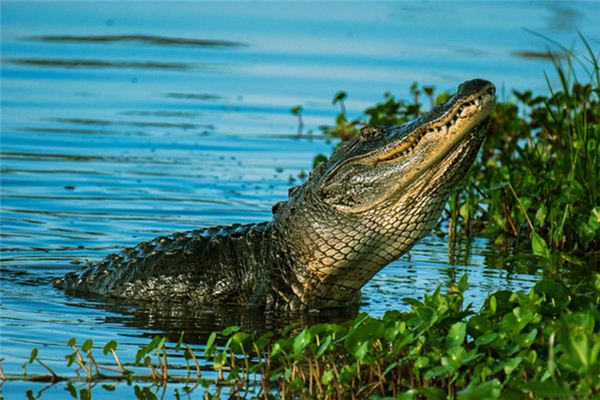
302	340
230	329
539	247
486	390
87	345
456	334
547	389
110	346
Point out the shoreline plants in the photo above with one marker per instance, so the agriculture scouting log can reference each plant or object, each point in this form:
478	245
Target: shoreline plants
544	343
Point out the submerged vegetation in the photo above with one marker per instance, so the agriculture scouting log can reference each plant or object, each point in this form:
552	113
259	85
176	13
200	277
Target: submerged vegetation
536	182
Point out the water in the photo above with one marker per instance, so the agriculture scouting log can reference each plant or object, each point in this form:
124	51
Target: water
121	122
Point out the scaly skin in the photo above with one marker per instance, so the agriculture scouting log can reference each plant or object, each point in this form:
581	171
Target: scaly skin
363	208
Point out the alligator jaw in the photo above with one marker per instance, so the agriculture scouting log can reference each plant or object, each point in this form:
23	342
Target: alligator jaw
397	157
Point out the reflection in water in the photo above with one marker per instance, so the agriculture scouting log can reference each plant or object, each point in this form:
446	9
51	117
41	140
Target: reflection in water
142	39
81	63
171	319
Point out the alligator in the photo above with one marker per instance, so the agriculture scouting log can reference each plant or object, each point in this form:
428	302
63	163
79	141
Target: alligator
361	209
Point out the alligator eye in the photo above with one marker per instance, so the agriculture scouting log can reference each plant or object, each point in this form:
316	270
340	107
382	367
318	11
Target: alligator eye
369	132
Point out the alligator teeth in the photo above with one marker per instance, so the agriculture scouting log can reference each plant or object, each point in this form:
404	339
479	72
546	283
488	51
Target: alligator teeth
444	130
477	101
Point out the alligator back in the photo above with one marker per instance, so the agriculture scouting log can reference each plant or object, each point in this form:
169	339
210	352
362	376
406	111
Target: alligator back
218	265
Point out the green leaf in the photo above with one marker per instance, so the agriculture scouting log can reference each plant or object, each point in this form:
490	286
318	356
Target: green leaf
219	360
456	334
486	390
324	346
87	345
493	304
339	96
33	355
327	377
486	338
110	346
301	341
547	389
241	342
361	351
230	329
539	247
296	110
210	344
511	364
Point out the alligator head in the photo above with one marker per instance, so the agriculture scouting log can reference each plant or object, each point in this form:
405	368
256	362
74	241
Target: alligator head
376	196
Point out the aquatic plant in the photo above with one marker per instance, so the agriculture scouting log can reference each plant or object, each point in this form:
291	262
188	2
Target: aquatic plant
537	179
544	343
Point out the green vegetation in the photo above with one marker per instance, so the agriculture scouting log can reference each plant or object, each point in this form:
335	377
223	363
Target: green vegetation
542	344
537	178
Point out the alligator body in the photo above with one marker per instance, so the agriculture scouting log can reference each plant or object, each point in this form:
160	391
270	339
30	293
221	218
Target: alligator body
363	208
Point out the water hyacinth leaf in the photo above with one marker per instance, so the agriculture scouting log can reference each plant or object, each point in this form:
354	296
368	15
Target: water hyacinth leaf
296	110
219	360
456	334
71	389
360	350
297	385
210	344
33	355
70	359
263	341
324	346
327	377
408	395
478	325
437	372
240	342
432	393
454	357
85	394
486	390
493	304
110	346
526	340
87	345
420	363
547	389
511	364
230	329
555	295
539	246
301	341
486	338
